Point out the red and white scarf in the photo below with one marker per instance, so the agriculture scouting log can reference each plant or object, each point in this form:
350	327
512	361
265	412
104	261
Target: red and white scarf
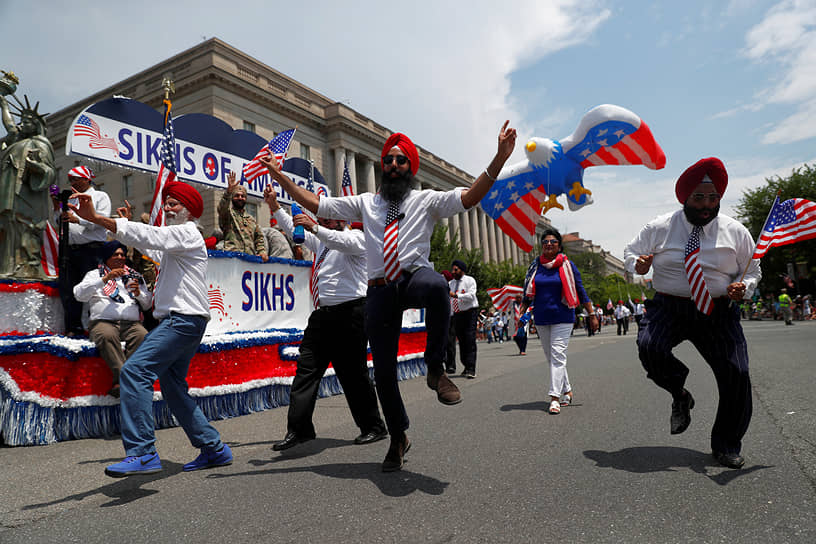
569	295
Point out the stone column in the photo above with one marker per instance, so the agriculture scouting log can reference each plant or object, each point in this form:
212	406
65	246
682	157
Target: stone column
465	226
474	228
499	243
339	158
491	241
483	242
370	178
506	242
446	221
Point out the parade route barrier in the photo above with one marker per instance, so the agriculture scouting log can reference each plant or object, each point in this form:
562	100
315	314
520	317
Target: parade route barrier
54	388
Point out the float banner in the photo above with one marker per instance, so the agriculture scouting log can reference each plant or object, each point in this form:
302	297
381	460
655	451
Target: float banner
128	133
248	296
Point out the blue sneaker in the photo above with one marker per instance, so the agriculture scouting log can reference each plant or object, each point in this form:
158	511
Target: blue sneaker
211	458
143	464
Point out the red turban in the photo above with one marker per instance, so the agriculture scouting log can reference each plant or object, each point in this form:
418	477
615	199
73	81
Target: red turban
691	178
406	146
185	194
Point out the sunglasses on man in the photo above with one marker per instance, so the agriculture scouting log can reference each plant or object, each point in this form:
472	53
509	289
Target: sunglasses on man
401	159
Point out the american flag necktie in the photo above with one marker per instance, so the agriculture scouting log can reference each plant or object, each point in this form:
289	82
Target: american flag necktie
392	265
455	301
313	281
694	272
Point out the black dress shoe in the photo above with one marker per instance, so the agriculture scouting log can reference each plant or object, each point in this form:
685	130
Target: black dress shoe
730	460
291	439
395	457
371	436
451	370
681	413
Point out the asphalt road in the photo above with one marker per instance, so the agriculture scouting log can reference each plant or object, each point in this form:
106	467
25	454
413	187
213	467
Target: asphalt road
495	468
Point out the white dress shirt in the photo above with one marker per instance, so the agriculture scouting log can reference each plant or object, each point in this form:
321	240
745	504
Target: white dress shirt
181	286
726	248
102	306
342	275
622	312
465	290
422	210
86	232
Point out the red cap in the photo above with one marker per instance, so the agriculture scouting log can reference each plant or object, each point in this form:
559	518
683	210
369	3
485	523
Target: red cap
694	174
406	146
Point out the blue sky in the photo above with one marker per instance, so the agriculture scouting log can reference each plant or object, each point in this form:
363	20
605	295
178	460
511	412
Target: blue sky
736	80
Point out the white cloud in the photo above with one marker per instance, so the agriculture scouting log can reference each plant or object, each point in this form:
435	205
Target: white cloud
787	36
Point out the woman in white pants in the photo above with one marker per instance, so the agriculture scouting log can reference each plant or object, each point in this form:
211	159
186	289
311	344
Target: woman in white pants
553	289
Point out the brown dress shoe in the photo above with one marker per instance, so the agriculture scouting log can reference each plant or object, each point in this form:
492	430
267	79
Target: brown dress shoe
446	391
395	457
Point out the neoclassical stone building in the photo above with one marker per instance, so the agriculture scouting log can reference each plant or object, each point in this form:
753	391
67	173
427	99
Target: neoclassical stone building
217	79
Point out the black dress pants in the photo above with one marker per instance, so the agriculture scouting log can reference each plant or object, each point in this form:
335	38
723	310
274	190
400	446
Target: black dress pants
719	339
423	288
464	323
336	335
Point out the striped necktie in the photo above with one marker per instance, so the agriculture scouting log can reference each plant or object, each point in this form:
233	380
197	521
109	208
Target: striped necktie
694	272
455	301
313	282
392	265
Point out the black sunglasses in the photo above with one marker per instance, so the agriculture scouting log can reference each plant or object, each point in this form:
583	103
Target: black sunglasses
401	159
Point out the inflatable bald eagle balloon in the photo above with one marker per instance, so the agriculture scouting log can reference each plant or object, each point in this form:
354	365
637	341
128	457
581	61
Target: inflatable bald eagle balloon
606	135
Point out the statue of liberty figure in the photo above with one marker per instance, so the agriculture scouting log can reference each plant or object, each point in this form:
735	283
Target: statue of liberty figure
26	172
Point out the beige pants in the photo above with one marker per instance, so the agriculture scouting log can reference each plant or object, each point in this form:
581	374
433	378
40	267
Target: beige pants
108	337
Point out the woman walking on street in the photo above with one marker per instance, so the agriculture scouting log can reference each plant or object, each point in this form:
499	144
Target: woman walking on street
553	289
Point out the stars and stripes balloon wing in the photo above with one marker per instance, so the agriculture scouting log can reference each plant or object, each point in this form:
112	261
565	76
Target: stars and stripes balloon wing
606	135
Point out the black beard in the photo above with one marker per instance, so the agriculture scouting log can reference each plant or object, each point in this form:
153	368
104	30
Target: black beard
239	205
693	215
394	189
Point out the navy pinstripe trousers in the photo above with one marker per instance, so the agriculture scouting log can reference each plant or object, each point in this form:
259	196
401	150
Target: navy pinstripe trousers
719	338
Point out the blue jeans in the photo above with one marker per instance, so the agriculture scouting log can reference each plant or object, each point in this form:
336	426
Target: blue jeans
165	355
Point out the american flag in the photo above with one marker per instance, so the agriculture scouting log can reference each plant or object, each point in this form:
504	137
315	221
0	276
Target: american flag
347	189
167	169
606	135
694	272
50	250
85	126
789	222
216	298
502	297
279	145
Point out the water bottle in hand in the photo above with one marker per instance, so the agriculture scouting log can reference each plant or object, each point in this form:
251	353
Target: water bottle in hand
298	236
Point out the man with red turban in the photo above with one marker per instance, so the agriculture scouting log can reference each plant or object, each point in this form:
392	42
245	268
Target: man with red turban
699	257
398	222
181	305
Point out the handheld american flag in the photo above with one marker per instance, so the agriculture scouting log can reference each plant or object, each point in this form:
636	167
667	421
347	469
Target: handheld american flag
167	169
279	146
606	135
347	189
50	251
789	222
502	297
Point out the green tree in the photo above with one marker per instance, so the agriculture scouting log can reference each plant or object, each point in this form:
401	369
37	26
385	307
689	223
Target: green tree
752	211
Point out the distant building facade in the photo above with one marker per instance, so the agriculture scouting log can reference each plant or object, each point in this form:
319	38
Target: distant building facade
575	244
216	79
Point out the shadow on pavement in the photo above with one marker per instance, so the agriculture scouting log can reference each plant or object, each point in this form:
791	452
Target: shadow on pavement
396	484
535	405
304	449
121	490
667	459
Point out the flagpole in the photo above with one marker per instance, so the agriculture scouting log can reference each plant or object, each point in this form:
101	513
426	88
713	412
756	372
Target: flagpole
756	244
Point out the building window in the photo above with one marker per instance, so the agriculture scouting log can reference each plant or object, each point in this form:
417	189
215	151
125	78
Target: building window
152	184
251	209
127	186
249	126
305	152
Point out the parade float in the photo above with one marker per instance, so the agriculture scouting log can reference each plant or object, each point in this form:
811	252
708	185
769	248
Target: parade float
54	388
